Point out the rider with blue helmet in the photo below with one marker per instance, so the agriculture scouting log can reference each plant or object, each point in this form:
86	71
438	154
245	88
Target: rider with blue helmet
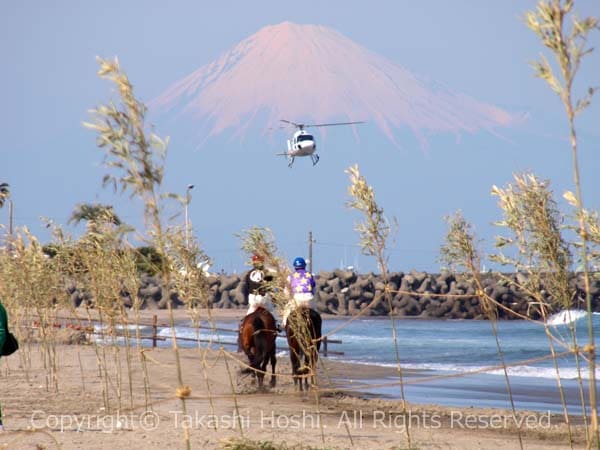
299	263
302	286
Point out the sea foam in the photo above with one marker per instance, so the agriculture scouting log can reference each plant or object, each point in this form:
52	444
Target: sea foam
568	316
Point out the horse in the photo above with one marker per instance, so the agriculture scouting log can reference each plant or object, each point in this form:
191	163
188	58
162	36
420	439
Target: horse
303	330
257	340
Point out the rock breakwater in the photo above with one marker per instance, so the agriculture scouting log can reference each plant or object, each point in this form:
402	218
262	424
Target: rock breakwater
346	293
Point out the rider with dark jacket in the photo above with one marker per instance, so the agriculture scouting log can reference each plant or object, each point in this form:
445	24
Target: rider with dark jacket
256	281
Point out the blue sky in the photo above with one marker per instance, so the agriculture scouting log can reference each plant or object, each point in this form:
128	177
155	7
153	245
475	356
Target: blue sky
48	83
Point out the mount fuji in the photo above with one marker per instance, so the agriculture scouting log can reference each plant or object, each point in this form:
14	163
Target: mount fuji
315	74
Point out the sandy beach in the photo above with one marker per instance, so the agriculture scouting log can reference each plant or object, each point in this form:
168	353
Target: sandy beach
76	415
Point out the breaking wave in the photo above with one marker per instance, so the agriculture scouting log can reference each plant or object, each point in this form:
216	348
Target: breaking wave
569	316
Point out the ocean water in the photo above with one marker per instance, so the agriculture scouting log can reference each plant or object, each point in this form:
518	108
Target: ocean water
446	353
465	345
440	353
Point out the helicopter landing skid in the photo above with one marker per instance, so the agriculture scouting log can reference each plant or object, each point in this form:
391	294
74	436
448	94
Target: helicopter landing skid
314	158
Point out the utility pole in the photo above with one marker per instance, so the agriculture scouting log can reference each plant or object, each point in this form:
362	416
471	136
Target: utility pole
310	252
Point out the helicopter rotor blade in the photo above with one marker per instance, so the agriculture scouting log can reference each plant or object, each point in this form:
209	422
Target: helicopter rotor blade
332	124
297	125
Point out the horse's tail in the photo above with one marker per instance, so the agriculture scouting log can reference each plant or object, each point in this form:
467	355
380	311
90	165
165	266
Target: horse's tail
258	325
317	324
260	339
316	332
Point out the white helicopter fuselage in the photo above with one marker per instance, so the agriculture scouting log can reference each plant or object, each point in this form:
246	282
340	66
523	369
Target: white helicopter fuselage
302	144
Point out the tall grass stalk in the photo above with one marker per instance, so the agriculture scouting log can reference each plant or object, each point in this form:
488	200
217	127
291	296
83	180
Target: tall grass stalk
191	282
111	270
135	159
532	216
106	269
136	307
461	254
222	350
374	232
32	293
569	47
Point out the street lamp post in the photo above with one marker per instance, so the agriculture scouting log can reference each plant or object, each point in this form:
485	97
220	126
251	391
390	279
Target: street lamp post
188	198
9	244
10	219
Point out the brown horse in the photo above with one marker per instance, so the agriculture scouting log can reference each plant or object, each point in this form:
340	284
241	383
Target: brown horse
257	340
303	330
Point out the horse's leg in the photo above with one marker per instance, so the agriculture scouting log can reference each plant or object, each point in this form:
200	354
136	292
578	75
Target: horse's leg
268	359
261	360
258	366
250	356
313	366
303	380
316	333
264	362
260	376
308	371
295	366
259	350
273	364
239	341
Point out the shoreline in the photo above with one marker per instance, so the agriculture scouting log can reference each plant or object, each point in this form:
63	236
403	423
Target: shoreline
337	419
453	391
232	314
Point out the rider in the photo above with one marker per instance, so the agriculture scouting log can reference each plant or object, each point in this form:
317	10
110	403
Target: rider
302	285
257	280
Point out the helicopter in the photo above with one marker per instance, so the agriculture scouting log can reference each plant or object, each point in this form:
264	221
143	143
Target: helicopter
303	143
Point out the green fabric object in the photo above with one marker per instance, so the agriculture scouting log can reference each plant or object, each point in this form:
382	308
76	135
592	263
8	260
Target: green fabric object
3	325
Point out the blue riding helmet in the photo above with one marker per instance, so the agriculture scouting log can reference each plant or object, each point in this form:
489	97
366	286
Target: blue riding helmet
299	263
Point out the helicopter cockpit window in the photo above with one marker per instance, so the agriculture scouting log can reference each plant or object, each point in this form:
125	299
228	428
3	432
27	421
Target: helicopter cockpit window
305	137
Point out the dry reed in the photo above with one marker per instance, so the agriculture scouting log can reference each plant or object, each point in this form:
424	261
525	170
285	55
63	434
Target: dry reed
374	233
568	45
